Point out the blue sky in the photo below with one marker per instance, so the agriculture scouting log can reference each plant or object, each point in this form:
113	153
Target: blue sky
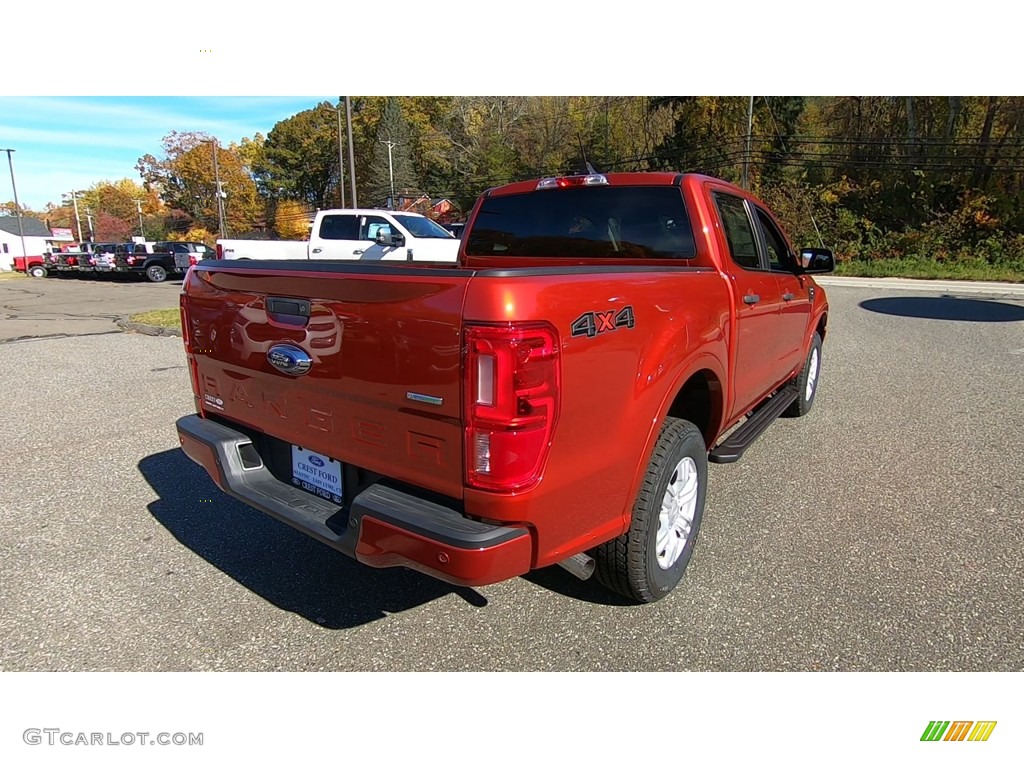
65	143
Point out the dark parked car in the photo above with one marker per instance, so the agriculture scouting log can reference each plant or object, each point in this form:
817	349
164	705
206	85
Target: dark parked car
144	259
101	254
185	254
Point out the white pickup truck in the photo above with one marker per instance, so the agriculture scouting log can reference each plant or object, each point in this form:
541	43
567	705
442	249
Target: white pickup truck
360	234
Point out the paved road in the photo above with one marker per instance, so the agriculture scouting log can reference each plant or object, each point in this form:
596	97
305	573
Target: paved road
77	306
882	532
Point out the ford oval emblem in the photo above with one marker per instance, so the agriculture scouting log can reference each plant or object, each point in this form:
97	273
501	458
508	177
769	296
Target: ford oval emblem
288	358
316	461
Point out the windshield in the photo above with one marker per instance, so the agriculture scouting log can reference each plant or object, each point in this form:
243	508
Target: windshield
420	226
585	222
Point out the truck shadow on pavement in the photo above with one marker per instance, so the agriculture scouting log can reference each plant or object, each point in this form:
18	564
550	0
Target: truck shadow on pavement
281	565
557	579
946	308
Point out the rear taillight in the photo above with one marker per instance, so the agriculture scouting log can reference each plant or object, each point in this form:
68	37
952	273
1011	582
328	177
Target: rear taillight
220	251
193	366
192	259
184	319
511	402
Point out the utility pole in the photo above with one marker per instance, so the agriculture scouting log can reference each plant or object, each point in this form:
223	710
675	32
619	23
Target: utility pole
391	170
138	207
351	153
78	220
341	159
17	207
221	194
746	156
88	218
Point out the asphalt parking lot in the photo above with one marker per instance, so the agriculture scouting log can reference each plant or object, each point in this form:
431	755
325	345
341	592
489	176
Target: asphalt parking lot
881	532
54	307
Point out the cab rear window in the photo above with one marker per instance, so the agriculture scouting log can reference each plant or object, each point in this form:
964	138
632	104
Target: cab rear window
584	222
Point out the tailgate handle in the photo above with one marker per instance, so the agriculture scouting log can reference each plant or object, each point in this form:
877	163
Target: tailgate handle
282	306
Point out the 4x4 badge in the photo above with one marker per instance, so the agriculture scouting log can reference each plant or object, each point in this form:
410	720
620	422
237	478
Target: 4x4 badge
592	323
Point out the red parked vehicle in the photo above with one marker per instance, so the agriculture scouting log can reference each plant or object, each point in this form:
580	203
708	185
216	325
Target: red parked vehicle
553	397
38	266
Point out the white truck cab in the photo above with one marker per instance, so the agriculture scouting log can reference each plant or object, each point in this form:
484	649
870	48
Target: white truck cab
378	235
359	234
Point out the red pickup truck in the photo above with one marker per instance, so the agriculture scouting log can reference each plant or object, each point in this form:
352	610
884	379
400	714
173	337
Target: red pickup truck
552	397
38	266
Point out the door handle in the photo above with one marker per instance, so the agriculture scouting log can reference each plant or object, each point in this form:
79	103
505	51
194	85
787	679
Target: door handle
751	298
317	250
788	296
357	253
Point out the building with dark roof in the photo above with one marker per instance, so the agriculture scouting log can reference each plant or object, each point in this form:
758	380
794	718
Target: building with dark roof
37	238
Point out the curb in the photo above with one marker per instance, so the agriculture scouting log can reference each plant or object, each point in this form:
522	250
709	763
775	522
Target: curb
143	328
920	284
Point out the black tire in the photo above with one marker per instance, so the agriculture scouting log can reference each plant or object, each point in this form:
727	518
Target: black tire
37	271
629	564
155	273
803	403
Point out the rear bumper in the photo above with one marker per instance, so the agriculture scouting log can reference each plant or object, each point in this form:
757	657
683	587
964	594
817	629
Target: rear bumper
381	527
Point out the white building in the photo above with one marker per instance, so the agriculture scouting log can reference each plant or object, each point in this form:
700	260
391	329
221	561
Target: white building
37	238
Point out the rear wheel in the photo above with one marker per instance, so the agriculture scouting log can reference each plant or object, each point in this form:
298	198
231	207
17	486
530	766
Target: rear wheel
156	273
37	271
647	561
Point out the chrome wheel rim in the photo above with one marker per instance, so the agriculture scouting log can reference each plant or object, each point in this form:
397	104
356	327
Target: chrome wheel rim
678	507
812	373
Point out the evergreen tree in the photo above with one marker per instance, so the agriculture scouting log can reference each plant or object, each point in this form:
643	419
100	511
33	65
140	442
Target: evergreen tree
393	128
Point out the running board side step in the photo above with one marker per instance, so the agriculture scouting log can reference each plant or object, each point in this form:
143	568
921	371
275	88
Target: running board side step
732	448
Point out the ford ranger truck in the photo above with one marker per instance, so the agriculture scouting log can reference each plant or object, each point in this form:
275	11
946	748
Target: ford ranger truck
553	397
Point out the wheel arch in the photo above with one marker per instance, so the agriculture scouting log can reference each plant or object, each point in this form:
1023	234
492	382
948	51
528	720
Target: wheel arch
821	324
700	399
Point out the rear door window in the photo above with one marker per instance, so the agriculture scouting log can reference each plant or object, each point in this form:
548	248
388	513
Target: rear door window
779	257
738	230
585	222
339	227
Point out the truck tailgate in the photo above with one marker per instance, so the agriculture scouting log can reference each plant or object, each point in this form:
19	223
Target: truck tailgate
383	390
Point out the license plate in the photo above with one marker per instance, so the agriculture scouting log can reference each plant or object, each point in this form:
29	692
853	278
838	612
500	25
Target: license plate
317	473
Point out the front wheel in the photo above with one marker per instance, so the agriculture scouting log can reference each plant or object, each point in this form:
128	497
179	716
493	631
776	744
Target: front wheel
647	561
807	381
156	274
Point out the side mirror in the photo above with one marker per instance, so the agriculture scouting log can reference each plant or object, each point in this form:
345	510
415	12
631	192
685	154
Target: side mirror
386	238
816	261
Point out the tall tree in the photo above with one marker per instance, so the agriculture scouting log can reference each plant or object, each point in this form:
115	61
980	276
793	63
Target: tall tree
185	179
392	166
299	159
112	229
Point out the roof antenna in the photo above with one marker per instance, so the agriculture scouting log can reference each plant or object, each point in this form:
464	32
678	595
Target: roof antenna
588	168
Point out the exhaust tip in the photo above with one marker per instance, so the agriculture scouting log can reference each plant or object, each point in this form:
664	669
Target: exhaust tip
581	566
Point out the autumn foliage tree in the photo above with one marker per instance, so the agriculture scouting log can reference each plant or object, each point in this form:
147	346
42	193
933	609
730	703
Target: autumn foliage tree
291	220
186	180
